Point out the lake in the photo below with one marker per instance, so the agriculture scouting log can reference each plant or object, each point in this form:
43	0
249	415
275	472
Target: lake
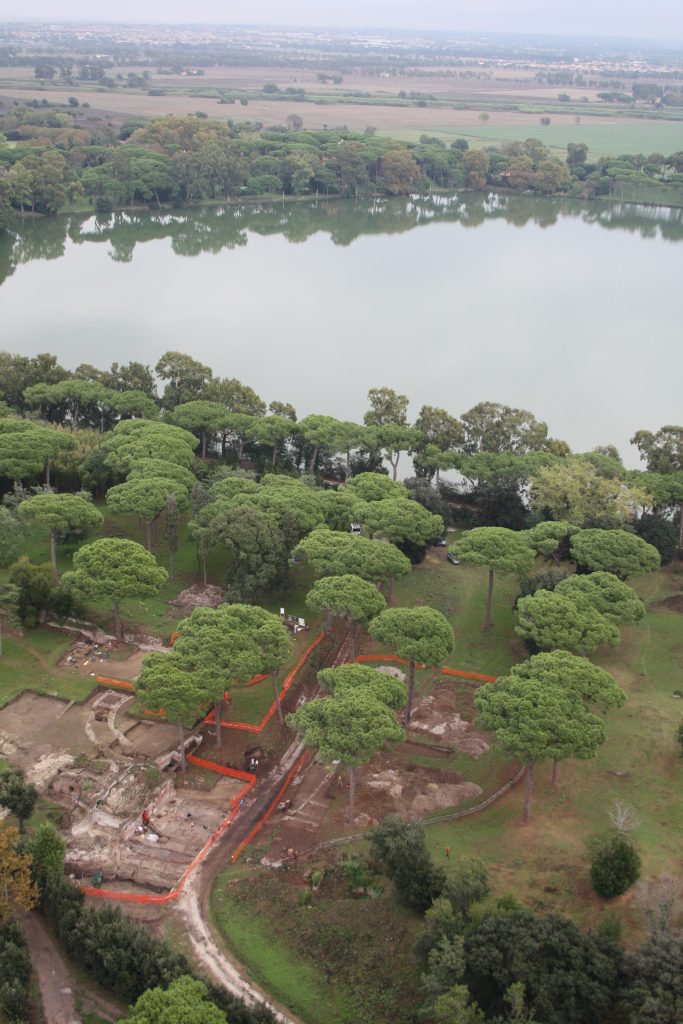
571	310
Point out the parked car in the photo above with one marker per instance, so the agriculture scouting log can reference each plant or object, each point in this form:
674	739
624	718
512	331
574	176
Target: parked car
452	559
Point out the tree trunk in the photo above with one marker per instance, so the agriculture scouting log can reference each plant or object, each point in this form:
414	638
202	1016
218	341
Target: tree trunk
47	476
529	785
53	555
394	464
347	474
274	456
352	795
217	708
181	733
556	772
203	446
489	600
411	687
352	634
277	699
148	535
313	458
680	529
438	477
117	619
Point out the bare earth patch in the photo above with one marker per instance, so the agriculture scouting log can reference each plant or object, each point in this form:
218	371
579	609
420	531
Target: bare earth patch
436	716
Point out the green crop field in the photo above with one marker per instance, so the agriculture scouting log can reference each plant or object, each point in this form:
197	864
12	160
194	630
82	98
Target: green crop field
604	139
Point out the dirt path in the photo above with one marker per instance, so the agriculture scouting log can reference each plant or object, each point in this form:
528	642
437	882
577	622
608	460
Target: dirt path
54	980
195	914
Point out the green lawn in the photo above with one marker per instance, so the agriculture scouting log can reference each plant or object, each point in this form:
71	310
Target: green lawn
152	614
459	591
30	663
544	863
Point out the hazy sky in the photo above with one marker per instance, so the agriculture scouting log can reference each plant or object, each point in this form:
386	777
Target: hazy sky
658	19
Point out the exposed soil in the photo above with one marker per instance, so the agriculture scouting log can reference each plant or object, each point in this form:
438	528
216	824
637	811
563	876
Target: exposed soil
441	716
674	603
199	595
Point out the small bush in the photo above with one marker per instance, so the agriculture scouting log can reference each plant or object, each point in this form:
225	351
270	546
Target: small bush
615	866
305	898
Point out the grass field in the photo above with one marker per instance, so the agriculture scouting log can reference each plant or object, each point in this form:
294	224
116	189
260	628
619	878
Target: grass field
603	137
30	663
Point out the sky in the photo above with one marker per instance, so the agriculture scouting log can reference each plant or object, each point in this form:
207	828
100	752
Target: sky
658	19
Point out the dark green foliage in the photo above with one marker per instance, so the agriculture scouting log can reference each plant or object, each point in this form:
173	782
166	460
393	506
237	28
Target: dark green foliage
679	737
467	884
47	848
399	849
569	978
654	982
36	589
661	533
15	973
120	954
546	579
428	496
18	795
615	866
500	504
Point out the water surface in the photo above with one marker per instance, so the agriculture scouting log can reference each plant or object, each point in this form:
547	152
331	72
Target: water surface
571	310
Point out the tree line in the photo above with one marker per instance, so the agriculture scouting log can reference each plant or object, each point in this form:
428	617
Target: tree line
57	161
108	430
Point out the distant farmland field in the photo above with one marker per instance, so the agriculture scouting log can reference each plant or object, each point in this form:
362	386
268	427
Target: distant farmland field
603	138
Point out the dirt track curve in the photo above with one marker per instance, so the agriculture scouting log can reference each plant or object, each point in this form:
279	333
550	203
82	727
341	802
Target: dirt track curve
193	905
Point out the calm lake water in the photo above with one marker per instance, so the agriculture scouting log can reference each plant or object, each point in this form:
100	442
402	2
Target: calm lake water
573	311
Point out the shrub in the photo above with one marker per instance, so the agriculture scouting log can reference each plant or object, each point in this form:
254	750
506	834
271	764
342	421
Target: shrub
15	973
400	851
615	866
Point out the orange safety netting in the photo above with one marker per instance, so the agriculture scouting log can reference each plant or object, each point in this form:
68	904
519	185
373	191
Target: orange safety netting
246	726
445	671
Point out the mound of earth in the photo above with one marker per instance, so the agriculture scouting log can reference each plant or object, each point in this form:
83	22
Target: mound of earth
199	595
674	603
416	793
389	670
436	715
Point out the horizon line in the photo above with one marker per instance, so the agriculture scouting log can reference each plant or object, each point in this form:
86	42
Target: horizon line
463	33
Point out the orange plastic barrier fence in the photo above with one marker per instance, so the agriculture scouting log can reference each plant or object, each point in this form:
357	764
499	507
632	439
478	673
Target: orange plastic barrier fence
246	726
120	684
259	824
445	671
467	675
